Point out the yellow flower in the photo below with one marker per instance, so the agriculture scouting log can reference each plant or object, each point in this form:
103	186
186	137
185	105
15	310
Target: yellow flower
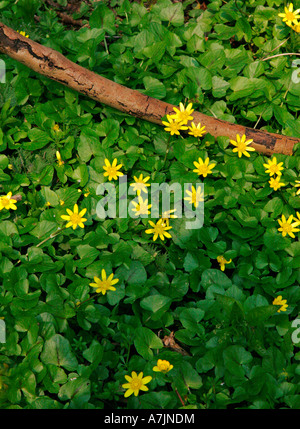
173	126
222	261
48	204
59	160
159	229
56	127
297	221
135	383
203	169
87	193
22	33
61	202
242	145
273	168
140	184
195	197
287	227
105	284
75	219
297	185
10	166
275	183
296	27
111	170
166	215
183	114
162	366
79	190
282	302
289	16
8	203
197	131
141	207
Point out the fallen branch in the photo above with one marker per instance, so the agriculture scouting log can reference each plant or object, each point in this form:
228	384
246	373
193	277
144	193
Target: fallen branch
55	66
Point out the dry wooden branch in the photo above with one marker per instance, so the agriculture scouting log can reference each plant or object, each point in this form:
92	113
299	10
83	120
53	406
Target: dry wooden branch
54	65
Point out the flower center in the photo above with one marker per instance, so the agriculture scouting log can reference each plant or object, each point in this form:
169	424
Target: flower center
112	171
104	284
174	126
184	116
287	227
274	168
290	16
159	229
242	147
136	384
75	218
142	208
203	168
140	185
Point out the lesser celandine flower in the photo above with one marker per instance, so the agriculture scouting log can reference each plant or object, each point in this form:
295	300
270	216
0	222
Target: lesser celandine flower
75	219
296	27
142	207
140	184
272	167
111	170
135	383
275	183
281	302
166	215
290	15
22	33
195	197
222	261
297	220
159	229
242	146
7	202
183	114
162	366
202	167
173	126
297	185
105	283
197	131
59	160
287	227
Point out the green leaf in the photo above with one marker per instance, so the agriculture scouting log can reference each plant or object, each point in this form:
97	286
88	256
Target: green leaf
144	341
157	304
173	13
103	17
57	351
39	139
154	88
236	359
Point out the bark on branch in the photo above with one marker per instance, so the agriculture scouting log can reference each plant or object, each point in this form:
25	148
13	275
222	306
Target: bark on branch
55	66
